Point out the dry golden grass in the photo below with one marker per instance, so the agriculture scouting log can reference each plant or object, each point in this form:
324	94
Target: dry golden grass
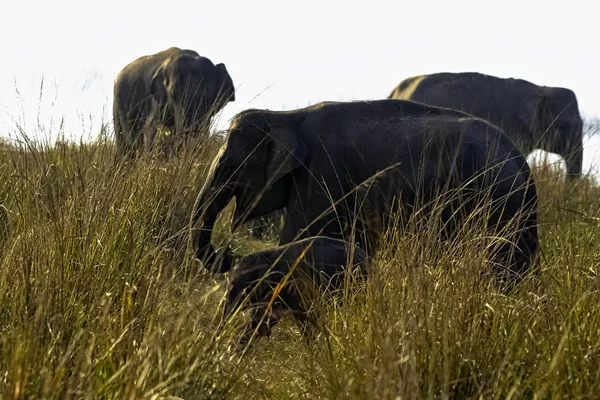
100	298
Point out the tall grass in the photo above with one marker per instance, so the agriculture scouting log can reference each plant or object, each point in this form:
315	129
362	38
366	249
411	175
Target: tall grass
100	297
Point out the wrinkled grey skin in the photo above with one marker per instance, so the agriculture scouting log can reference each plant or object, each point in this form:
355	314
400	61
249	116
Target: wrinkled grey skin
175	88
313	266
534	117
303	159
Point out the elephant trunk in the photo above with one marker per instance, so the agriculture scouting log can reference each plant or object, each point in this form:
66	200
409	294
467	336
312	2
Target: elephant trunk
569	144
208	209
574	160
225	89
574	163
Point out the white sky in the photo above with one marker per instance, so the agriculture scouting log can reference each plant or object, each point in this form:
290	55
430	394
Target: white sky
283	54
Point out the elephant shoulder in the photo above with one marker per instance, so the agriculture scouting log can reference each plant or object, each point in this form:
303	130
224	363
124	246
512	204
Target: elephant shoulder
247	118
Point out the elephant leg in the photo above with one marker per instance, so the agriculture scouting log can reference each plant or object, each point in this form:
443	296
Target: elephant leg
124	135
150	127
121	144
149	135
515	257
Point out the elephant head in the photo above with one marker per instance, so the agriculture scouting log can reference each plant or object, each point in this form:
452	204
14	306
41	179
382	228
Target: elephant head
552	116
252	287
253	166
189	89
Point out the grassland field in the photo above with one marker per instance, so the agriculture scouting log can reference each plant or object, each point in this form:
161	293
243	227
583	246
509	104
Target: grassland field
101	297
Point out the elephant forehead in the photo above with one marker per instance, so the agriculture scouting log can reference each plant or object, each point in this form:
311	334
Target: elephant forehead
251	122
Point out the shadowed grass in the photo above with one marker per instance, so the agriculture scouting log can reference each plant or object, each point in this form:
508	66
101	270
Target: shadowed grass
100	297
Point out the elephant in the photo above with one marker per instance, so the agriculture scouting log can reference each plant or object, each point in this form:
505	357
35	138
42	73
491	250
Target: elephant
176	88
339	167
535	117
283	281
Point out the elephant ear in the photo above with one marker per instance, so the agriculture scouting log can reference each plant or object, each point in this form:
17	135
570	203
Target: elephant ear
158	85
225	89
531	114
286	153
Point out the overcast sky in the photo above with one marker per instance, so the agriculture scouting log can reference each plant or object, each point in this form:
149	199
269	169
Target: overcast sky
283	54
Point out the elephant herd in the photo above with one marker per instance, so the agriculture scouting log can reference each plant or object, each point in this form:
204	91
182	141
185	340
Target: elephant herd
341	169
